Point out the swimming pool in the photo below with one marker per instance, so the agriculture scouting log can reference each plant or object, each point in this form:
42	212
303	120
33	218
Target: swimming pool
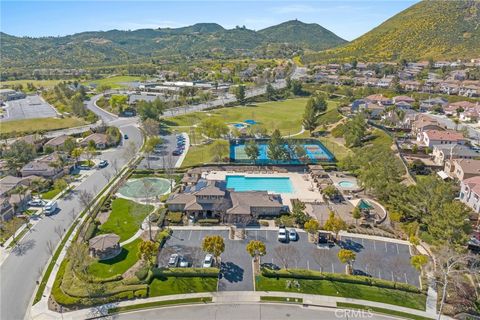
272	184
347	184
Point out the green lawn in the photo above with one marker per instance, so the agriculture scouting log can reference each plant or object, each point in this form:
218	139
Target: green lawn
198	155
126	218
36	83
41	124
157	304
381	310
331	115
115	82
178	285
284	115
117	265
339	150
50	194
348	290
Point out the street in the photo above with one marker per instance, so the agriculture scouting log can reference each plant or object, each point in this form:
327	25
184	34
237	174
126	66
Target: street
257	311
23	267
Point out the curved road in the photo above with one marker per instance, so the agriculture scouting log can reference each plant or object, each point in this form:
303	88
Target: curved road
24	265
247	311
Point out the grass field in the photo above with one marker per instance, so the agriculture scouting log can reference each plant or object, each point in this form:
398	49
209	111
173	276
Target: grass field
199	154
348	290
125	219
50	194
178	285
118	264
115	82
36	83
284	115
42	124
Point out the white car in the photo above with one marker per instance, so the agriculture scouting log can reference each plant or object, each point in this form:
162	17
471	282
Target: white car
282	234
183	263
292	235
173	261
36	203
208	261
50	208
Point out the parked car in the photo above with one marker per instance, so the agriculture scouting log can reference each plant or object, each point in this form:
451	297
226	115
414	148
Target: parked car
325	240
208	261
292	235
50	208
173	261
183	263
282	234
36	203
103	164
176	152
125	137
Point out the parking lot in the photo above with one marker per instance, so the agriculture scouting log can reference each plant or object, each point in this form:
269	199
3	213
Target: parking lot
162	157
29	108
380	259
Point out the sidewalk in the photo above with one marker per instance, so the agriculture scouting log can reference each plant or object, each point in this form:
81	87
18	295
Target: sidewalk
233	297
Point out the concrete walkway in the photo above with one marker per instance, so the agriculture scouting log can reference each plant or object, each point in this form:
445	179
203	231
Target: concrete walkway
232	298
295	134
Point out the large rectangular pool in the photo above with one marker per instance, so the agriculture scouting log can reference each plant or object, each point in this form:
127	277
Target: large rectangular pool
272	184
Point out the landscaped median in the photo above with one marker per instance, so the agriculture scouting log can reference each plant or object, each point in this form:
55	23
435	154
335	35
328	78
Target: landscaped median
341	285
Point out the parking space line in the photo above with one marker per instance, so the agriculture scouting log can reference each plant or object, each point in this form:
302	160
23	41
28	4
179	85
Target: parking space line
266	235
256	235
308	265
393	279
333	270
379	274
406	280
190	234
374	245
386	250
398	251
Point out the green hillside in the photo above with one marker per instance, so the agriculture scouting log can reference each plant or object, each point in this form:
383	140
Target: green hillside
88	49
430	29
303	34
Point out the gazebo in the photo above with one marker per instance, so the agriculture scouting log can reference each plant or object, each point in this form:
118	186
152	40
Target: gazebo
104	246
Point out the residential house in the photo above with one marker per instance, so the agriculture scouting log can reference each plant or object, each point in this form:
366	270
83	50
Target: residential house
470	115
100	139
462	169
422	122
379	99
444	152
56	143
432	103
470	193
452	108
430	138
6	209
211	199
46	167
400	99
411	85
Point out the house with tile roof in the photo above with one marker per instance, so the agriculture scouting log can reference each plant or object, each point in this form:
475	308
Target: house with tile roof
444	152
431	138
470	193
461	169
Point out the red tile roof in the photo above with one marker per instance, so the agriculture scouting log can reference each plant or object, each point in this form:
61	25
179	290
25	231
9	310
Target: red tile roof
446	135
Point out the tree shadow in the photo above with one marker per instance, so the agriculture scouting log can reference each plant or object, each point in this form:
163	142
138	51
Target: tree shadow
231	272
350	245
22	248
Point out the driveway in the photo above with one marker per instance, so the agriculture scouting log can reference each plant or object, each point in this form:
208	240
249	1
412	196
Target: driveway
380	259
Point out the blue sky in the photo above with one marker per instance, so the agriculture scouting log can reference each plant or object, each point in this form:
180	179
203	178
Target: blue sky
348	19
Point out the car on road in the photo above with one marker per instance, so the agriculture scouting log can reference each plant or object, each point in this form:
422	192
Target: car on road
173	261
125	137
282	234
183	263
103	164
292	235
36	203
208	261
50	208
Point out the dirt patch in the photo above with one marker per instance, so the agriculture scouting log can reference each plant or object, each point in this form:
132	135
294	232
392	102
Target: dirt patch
103	216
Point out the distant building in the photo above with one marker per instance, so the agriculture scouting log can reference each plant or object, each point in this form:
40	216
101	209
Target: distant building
430	138
100	139
45	167
462	169
10	94
444	152
470	193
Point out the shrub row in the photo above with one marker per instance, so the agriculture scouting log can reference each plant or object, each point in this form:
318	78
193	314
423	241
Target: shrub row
316	275
185	272
175	217
208	221
163	235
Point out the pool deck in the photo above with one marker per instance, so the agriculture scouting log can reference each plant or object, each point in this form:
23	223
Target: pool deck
302	184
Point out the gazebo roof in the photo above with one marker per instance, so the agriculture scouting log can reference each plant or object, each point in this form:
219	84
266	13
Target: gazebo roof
104	241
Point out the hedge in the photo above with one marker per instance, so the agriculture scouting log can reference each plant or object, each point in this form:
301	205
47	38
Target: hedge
185	272
174	217
91	230
316	275
208	221
162	236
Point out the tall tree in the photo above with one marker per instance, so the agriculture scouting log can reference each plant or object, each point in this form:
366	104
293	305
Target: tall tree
270	92
214	245
252	150
219	150
256	249
240	94
334	224
276	146
347	257
310	116
147	252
